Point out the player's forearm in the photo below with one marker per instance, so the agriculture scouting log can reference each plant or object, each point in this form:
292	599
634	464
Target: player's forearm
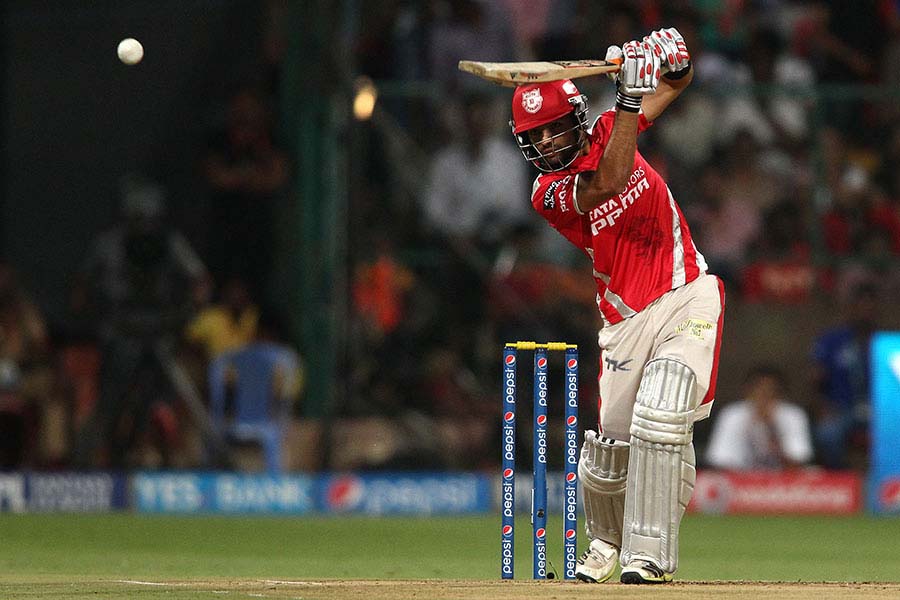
615	166
669	89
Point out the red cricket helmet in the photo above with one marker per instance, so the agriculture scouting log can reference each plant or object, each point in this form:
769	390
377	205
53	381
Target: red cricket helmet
537	104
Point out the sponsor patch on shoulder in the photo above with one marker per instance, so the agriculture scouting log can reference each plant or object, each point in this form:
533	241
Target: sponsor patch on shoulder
549	195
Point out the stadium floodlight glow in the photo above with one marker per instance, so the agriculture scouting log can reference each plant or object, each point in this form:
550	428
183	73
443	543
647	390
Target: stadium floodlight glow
366	96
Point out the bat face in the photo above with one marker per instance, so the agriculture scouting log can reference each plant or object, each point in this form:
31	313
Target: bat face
519	73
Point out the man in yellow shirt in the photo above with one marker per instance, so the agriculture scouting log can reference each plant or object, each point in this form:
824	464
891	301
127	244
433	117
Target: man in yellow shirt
227	325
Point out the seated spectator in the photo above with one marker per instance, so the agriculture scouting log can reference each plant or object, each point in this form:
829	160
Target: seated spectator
227	324
783	270
475	185
727	226
472	200
770	118
841	367
762	431
845	221
872	264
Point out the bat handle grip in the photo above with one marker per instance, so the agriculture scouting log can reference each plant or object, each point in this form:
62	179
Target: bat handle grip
616	61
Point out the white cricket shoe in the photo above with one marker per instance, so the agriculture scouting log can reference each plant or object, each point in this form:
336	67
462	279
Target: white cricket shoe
597	563
644	571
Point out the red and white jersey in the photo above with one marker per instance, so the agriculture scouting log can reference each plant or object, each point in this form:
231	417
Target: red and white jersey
639	241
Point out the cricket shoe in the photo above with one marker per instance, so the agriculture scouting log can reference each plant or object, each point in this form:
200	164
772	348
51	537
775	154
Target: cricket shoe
644	571
597	563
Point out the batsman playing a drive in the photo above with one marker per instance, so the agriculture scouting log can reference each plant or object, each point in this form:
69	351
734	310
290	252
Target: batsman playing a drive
662	313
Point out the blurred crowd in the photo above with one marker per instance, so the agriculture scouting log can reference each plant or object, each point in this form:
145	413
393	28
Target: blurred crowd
170	352
148	367
784	154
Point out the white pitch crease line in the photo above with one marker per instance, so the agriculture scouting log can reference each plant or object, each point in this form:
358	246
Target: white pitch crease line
132	582
278	581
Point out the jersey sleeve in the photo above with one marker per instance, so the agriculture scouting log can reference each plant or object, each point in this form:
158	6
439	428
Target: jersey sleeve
553	197
603	126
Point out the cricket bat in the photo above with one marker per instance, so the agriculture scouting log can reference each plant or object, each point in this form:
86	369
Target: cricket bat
512	74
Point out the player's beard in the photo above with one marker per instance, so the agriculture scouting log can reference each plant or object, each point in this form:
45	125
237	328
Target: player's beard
566	154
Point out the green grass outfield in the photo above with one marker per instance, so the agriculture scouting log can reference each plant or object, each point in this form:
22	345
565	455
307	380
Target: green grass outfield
39	550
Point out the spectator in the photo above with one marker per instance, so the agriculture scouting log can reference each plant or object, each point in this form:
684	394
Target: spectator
762	431
849	38
228	324
770	117
783	270
844	224
26	379
472	200
846	46
470	29
142	279
474	186
245	171
460	410
841	367
380	288
728	226
529	296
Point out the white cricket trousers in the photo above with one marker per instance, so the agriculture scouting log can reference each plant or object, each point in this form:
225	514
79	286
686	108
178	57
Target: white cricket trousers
684	324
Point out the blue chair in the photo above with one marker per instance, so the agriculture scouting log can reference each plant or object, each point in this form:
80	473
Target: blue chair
259	412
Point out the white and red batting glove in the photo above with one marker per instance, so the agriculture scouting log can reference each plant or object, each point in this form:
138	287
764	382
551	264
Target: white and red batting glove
669	45
639	75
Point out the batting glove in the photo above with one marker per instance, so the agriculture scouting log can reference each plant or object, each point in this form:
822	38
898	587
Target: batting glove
638	77
668	45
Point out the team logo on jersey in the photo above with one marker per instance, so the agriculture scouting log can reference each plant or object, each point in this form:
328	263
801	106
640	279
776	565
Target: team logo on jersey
532	101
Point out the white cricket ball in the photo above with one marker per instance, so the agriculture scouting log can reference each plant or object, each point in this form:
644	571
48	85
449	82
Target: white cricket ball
130	51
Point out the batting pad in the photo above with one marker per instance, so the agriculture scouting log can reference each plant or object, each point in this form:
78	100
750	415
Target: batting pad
661	464
602	471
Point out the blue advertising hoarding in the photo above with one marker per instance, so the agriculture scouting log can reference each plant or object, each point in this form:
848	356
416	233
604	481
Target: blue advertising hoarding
369	494
223	493
407	493
62	492
884	477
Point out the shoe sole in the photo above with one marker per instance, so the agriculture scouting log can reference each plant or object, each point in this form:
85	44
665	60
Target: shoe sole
634	577
589	579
